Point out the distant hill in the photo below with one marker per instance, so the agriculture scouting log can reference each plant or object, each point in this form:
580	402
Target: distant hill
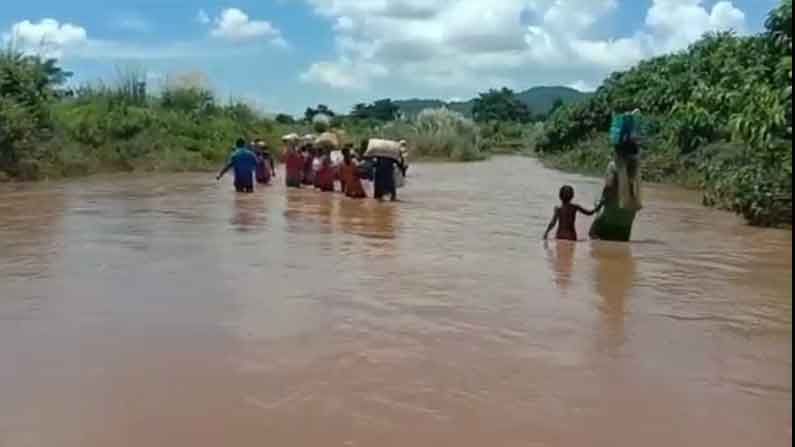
538	99
541	99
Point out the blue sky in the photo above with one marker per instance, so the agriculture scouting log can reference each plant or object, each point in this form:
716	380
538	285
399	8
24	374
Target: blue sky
284	55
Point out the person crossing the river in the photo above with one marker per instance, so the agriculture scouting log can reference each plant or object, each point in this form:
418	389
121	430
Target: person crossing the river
309	153
293	162
244	163
565	216
384	178
266	168
349	176
621	196
325	175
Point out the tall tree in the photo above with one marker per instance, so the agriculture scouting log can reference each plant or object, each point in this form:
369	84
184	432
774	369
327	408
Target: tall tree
500	105
321	109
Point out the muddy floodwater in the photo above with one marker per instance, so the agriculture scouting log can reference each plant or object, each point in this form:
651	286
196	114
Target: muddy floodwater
149	311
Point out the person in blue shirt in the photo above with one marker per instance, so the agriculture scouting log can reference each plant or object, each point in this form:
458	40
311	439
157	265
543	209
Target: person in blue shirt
244	163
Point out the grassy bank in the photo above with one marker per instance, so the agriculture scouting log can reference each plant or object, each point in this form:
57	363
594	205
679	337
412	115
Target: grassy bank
48	132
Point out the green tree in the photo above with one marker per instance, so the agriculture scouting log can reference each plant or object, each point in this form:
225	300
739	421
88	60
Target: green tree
285	119
500	105
381	110
321	109
28	87
360	111
556	105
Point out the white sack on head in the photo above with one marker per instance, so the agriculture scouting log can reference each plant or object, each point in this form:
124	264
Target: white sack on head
383	148
328	141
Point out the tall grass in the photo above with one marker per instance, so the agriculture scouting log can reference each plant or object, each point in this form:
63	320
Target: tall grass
438	134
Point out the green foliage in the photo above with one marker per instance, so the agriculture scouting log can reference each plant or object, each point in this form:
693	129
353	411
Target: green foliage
321	109
187	99
724	89
284	119
500	105
381	110
27	86
756	184
508	137
44	132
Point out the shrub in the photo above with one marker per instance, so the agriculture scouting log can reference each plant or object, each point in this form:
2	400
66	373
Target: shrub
442	133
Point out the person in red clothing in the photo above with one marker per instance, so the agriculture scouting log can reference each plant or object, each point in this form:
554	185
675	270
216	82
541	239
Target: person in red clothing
325	176
293	163
565	216
308	177
349	177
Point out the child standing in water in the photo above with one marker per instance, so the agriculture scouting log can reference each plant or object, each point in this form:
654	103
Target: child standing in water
565	216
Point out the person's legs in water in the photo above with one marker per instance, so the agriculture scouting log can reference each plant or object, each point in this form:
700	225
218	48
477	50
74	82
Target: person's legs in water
244	187
378	191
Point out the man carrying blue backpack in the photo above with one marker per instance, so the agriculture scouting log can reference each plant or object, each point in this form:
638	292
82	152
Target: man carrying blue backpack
244	163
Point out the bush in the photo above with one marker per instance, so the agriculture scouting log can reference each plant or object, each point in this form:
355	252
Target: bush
444	134
27	87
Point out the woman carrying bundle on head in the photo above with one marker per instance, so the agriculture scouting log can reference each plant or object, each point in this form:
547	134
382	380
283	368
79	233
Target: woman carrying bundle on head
325	175
293	162
349	176
266	169
389	167
621	196
308	152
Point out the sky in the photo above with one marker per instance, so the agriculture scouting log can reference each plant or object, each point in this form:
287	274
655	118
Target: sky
285	55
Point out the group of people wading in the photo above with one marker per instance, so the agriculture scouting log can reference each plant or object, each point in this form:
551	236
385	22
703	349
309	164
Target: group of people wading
308	163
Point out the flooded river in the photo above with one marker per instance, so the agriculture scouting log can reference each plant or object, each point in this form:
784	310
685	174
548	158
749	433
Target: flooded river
164	311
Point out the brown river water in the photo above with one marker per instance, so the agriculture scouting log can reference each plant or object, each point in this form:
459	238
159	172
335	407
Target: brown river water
148	311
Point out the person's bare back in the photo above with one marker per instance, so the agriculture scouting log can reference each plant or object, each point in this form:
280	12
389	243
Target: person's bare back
565	216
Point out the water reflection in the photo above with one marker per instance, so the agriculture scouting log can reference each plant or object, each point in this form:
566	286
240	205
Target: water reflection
249	212
614	277
561	260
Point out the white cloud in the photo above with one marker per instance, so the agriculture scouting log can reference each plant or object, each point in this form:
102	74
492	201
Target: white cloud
47	37
52	39
202	17
582	86
465	44
344	74
674	24
235	25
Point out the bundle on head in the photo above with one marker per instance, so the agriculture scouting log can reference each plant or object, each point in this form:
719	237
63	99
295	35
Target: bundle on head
328	141
384	148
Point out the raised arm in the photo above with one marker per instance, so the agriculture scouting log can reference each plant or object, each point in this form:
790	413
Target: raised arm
553	222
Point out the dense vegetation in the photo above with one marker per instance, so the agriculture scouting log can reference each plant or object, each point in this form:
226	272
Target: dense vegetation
718	115
46	131
49	132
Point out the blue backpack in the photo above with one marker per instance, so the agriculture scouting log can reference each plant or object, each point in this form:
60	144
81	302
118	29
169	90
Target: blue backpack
623	129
